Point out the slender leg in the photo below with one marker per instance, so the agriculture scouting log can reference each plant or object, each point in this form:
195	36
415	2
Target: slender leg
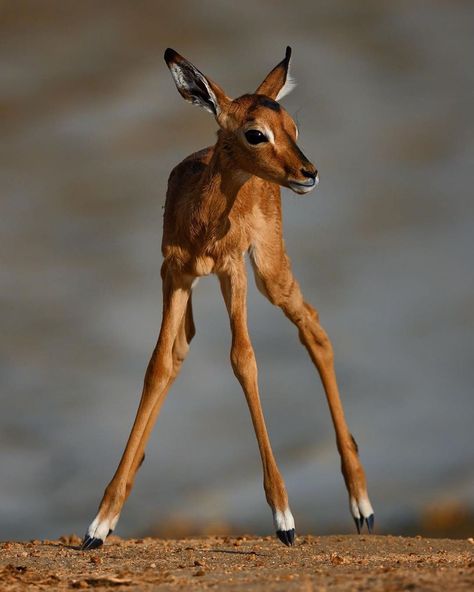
176	292
234	290
277	283
186	333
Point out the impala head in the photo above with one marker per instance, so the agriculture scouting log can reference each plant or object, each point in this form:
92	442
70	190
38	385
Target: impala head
258	134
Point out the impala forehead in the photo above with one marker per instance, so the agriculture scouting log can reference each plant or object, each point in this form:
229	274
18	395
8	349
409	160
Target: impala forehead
277	121
262	113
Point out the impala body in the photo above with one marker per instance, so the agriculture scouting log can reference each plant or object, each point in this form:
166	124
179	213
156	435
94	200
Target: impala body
222	203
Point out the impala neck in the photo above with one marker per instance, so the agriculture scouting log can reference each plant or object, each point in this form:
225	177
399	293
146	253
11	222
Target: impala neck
221	186
223	173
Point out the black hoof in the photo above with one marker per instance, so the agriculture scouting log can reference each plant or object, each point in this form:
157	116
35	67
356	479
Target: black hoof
287	537
359	522
370	523
90	543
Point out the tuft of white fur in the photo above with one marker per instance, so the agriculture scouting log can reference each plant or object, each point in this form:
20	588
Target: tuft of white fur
289	85
361	508
99	529
365	507
283	520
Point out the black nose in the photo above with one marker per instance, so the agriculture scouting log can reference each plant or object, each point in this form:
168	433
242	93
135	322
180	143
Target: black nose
309	174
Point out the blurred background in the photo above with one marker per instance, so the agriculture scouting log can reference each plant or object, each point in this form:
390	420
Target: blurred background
91	125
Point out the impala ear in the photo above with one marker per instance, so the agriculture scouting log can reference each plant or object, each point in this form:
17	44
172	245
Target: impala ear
193	86
279	82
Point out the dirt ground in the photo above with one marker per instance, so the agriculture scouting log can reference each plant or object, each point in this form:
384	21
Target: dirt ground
241	563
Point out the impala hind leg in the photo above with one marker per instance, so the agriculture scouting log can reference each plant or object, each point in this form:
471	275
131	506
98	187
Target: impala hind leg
280	287
162	369
234	288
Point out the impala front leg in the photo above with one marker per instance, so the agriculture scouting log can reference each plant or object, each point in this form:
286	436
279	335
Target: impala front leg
234	290
283	290
176	292
186	332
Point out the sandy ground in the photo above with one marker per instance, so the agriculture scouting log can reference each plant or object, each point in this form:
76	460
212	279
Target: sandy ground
242	563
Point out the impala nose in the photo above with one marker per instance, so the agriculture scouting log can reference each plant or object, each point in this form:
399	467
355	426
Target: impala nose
309	174
312	175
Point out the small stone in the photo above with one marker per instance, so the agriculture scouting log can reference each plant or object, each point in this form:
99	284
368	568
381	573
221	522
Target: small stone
200	572
54	577
79	584
337	559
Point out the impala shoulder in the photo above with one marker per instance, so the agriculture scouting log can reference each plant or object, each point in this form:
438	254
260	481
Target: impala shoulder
192	165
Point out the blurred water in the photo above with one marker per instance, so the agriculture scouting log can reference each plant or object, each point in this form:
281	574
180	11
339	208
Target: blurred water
91	126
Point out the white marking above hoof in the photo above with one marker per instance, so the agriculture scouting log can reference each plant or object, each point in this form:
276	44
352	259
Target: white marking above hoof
99	529
283	520
361	508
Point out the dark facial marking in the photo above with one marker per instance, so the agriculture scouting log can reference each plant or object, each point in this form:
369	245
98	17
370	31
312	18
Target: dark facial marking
303	158
266	102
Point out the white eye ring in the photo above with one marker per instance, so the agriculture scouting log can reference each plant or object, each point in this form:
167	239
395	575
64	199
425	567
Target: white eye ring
269	134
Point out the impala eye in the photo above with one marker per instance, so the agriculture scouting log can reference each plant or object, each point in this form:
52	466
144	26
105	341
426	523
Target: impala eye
255	137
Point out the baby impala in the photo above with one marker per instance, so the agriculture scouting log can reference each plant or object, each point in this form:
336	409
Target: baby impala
223	202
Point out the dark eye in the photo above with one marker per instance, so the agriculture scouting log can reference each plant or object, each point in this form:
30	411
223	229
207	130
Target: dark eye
255	137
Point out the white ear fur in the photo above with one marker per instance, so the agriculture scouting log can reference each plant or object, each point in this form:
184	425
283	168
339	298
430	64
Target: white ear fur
278	82
194	87
289	85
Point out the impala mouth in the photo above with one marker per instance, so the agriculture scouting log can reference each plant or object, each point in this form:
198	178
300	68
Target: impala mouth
305	187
